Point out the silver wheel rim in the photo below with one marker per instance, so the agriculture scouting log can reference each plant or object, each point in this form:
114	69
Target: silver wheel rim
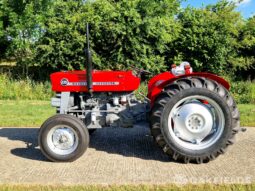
196	122
62	140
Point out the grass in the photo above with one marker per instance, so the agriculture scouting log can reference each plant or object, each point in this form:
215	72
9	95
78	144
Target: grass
23	111
189	187
243	91
24	89
27	89
247	114
17	113
32	113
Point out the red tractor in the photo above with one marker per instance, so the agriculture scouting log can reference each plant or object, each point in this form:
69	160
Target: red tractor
192	115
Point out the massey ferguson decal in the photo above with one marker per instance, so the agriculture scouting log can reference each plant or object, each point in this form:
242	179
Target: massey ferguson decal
106	83
65	82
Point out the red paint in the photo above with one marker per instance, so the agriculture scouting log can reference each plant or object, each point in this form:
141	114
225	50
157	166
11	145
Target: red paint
158	82
153	85
125	79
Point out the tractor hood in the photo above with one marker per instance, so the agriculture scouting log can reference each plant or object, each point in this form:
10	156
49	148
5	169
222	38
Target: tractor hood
103	81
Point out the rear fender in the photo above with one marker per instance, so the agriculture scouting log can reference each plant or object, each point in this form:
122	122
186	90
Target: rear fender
154	91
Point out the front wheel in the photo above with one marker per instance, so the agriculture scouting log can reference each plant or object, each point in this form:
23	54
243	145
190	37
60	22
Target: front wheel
63	138
194	120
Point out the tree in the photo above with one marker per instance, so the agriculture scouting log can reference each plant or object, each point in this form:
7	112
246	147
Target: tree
150	34
3	37
244	61
21	27
208	36
123	33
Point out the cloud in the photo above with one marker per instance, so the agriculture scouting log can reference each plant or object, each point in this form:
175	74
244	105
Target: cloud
241	2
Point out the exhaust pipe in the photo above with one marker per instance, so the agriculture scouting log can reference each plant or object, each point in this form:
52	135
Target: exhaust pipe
88	63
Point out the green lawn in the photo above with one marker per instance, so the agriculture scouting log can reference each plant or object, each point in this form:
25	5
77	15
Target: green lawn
202	187
32	113
14	113
247	114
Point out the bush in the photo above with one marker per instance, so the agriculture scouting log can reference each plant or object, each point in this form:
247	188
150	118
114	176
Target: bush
27	89
123	33
148	33
24	89
243	91
207	37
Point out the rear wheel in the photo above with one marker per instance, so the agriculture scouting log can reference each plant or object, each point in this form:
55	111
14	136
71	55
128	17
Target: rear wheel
194	119
63	138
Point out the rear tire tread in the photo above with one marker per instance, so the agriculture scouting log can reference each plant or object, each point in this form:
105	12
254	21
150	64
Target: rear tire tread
170	91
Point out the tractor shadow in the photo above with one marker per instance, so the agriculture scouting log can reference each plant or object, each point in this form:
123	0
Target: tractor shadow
129	142
30	149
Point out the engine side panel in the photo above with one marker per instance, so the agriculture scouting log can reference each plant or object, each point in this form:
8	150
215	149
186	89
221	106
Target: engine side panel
114	109
157	83
103	81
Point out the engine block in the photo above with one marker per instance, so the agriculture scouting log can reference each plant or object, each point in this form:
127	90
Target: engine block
102	109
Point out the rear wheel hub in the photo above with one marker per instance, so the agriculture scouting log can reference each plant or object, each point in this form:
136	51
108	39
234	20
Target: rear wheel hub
193	122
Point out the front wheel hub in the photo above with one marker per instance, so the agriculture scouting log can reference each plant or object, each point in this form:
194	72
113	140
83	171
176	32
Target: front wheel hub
193	122
63	138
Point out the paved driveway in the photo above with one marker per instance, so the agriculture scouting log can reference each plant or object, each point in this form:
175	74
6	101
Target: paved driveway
120	156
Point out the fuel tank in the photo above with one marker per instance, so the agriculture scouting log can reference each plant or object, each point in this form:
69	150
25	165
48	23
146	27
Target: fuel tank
103	81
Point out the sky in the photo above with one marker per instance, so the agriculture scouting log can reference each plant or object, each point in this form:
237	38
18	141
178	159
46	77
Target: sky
246	7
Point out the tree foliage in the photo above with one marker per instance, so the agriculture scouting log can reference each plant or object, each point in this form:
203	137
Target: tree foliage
208	36
151	34
123	33
244	60
20	23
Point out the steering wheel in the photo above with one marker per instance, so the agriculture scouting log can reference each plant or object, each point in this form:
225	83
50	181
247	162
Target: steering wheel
140	71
